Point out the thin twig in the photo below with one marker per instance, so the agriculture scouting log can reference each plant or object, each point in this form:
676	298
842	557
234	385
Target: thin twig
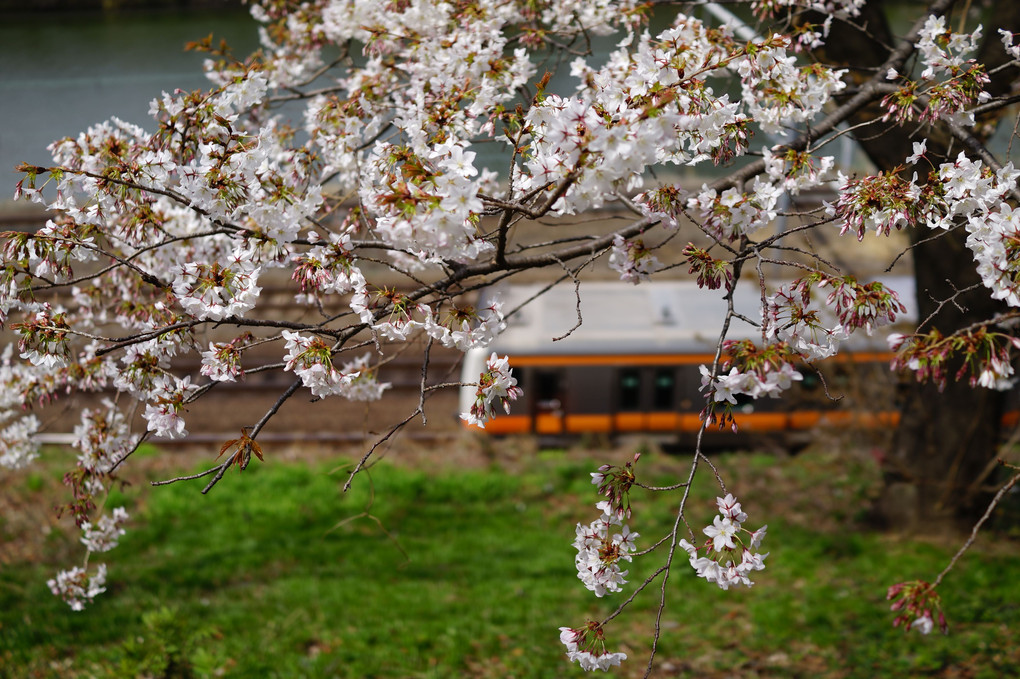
424	379
385	437
977	527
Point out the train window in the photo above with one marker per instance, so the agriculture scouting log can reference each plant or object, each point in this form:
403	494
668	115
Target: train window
663	395
547	385
518	374
630	389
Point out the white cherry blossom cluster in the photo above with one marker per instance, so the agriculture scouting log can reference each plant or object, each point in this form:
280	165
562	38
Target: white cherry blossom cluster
950	82
496	385
600	551
427	206
795	171
779	93
942	51
754	383
731	552
460	328
815	327
799	326
102	437
95	373
44	340
88	156
338	129
143	368
104	536
77	588
18	390
633	261
163	413
868	306
249	179
327	268
809	36
222	362
52	250
733	214
17	447
961	189
311	359
238	174
599	142
462	66
840	8
587	647
702	124
567	135
597	16
10	299
1007	42
985	356
237	92
969	189
364	384
211	292
688	46
468	328
996	374
979	196
793	315
964	190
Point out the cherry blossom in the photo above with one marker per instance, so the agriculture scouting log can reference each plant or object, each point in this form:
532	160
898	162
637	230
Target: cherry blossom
77	588
468	328
364	384
104	535
916	604
632	260
214	293
103	438
586	646
311	359
725	388
1007	42
600	551
615	483
17	448
919	148
733	214
728	559
495	385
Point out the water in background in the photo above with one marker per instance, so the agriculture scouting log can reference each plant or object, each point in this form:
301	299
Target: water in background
60	73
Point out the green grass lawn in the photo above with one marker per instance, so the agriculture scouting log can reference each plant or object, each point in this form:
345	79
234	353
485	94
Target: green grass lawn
476	575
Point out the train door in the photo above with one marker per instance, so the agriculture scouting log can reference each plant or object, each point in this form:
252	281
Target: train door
550	399
663	415
630	412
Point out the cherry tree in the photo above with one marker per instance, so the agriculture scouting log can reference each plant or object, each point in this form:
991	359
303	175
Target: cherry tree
368	142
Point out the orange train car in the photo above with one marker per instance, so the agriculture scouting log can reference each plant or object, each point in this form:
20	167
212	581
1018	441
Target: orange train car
633	364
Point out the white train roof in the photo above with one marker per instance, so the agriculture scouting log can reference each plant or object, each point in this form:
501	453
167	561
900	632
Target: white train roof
651	318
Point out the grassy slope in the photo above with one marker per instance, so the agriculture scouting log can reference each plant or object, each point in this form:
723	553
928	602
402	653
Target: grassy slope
255	584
